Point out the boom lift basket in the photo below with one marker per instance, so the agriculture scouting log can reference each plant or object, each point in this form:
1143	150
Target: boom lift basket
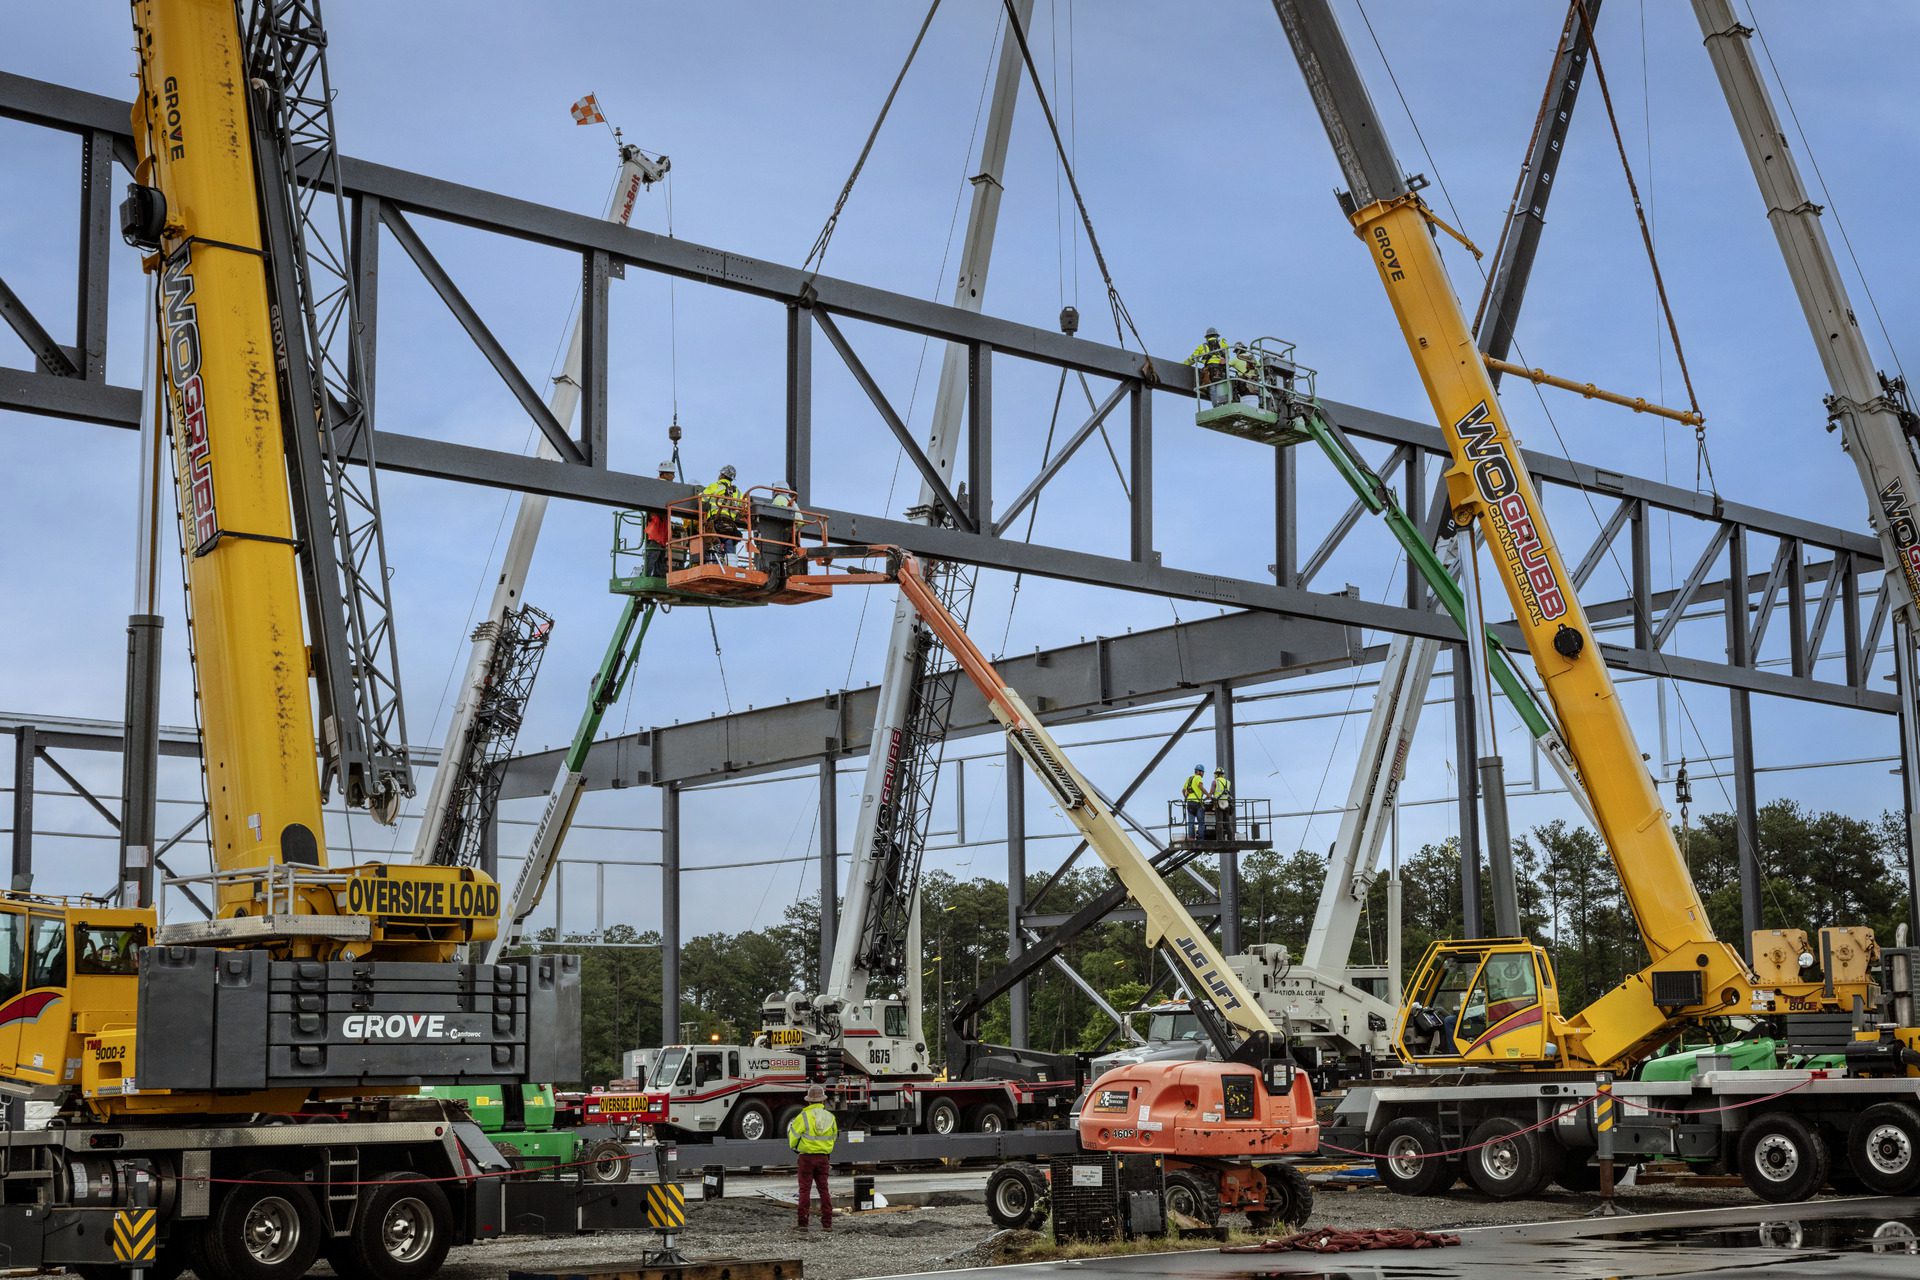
1260	393
741	551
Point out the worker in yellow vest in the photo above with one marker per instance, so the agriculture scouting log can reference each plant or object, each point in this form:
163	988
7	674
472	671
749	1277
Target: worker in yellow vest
722	512
812	1133
1220	800
1195	794
1210	358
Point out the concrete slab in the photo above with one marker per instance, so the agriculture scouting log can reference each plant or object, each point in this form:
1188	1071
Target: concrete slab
1868	1237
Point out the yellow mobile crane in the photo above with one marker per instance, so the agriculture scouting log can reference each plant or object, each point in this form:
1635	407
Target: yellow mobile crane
1493	1003
182	1056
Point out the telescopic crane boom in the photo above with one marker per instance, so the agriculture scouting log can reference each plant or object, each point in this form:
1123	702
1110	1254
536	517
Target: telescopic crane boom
1693	974
1875	419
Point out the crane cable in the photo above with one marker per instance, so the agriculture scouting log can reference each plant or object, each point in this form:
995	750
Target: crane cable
819	249
1702	460
1121	316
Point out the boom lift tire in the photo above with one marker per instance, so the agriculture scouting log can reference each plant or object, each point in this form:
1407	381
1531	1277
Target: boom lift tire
1782	1160
1883	1148
988	1117
267	1228
1193	1193
942	1117
1408	1166
1289	1199
1017	1197
401	1231
1507	1163
608	1162
752	1121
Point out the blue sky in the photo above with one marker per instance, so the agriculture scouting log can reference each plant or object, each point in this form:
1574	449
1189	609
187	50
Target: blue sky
1210	184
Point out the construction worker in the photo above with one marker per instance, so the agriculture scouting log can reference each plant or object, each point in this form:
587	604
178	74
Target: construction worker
1220	800
812	1133
1195	794
721	510
658	534
1210	358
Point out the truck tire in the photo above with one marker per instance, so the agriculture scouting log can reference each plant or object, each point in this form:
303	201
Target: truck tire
1506	1163
264	1229
1017	1197
1406	1164
608	1161
942	1117
401	1231
1883	1148
988	1117
1289	1199
751	1121
1578	1174
783	1119
1194	1192
1781	1159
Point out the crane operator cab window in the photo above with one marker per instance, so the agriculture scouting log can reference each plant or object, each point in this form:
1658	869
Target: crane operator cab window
46	952
896	1019
1503	1015
1430	1026
707	1069
13	955
107	951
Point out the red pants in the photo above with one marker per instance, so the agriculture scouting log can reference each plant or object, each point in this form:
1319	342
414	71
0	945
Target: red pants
813	1172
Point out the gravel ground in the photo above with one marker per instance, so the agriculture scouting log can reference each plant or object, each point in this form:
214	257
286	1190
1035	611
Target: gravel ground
954	1230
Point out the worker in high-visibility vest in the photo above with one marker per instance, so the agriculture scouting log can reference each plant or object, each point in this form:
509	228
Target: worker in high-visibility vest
1210	358
658	534
812	1133
721	511
1220	800
1195	794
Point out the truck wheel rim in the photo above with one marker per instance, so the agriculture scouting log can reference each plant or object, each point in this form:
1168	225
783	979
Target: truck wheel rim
1501	1160
407	1231
1777	1158
1889	1149
753	1126
271	1231
991	1124
1404	1157
943	1119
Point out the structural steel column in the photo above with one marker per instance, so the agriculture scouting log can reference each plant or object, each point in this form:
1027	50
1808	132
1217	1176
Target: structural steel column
1746	815
1465	742
1229	858
1286	521
829	863
670	914
24	752
140	760
1016	892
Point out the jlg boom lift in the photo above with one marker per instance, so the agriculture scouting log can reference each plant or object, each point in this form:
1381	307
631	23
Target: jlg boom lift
184	1056
1219	1128
1490	1006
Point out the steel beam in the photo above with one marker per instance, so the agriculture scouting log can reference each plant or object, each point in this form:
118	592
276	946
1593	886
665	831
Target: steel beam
1016	769
669	914
26	752
1223	758
1071	683
1746	816
829	860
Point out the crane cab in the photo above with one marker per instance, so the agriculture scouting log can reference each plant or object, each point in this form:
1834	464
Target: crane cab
67	972
720	553
1486	1001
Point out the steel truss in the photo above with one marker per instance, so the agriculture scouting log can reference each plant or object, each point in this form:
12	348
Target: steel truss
1821	585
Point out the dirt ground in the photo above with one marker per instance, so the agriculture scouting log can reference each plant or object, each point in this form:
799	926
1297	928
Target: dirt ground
954	1231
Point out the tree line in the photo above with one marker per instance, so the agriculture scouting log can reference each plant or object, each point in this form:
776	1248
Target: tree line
1818	869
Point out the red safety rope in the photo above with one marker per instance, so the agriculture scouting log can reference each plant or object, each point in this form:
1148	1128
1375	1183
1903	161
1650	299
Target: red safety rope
1458	1151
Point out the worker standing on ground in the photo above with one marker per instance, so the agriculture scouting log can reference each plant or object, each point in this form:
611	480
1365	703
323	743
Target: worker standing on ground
658	534
1210	358
1195	794
721	510
812	1133
1220	800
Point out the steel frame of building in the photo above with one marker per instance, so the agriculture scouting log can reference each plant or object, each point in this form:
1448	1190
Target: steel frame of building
1815	574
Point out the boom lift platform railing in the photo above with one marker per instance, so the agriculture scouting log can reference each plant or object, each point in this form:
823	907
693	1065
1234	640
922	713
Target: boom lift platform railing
720	553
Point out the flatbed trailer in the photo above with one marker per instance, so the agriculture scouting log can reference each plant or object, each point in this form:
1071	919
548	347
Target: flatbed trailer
750	1093
1786	1133
167	1195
